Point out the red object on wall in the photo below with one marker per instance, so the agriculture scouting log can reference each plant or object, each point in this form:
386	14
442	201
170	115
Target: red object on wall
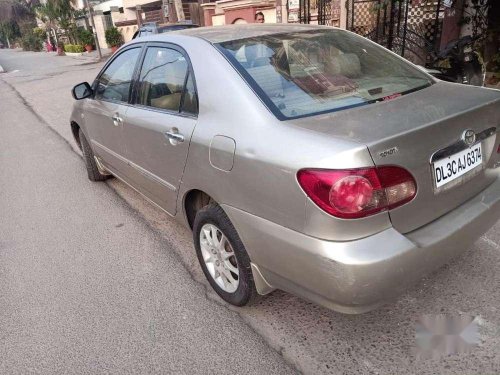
207	15
247	14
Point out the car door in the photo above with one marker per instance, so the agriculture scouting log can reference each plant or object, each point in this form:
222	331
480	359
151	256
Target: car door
160	124
105	113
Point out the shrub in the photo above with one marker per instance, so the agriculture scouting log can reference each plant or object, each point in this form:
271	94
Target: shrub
40	33
86	37
73	48
31	41
113	37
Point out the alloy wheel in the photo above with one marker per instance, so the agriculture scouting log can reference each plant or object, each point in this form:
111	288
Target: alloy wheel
219	258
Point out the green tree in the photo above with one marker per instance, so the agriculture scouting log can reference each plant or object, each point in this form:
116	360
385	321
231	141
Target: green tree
16	18
9	31
63	8
48	15
58	14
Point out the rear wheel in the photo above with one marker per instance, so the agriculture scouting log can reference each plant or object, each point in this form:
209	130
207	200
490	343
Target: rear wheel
90	163
223	257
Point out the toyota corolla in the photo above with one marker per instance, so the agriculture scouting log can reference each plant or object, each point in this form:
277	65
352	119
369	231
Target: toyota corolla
303	158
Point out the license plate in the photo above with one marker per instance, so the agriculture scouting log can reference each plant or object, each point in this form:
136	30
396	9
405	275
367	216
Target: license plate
448	169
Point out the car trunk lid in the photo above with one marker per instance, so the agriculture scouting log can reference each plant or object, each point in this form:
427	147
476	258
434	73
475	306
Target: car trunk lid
410	130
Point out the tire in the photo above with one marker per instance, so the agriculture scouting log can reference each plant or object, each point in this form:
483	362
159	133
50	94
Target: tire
474	76
245	293
475	79
90	163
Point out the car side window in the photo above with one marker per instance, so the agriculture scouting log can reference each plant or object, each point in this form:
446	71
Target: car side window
114	83
162	79
190	101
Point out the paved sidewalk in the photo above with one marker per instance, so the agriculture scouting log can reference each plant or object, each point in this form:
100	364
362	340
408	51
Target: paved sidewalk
37	61
93	55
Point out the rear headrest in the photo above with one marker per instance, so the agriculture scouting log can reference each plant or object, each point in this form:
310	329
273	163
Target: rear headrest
171	101
346	64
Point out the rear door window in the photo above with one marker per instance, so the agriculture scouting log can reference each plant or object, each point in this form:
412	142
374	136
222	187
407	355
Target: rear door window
190	101
162	82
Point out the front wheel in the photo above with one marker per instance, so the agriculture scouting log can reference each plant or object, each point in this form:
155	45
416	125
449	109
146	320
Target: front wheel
223	257
88	157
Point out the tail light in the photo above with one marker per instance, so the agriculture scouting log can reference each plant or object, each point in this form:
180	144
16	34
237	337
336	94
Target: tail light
357	193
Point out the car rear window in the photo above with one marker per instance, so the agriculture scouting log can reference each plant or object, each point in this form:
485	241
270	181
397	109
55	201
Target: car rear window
306	73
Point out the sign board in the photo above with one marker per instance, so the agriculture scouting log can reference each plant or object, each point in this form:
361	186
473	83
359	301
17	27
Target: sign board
278	15
335	9
165	8
293	5
293	17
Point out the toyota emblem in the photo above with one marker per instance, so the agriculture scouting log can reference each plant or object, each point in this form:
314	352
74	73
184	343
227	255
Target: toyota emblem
469	137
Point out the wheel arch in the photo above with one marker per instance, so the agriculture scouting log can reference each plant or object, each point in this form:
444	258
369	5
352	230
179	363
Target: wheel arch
193	201
75	128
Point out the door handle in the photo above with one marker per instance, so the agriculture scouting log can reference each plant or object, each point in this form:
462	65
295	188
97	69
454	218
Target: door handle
117	120
174	137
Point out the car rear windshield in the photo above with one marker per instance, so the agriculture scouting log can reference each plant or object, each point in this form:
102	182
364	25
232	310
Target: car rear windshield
167	29
306	73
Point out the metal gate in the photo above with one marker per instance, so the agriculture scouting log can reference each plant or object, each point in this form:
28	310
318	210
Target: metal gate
411	28
316	11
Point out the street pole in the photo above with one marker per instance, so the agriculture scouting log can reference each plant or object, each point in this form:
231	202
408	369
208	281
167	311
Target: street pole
179	11
92	24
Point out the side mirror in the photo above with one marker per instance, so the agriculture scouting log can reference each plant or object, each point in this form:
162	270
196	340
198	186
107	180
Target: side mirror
82	91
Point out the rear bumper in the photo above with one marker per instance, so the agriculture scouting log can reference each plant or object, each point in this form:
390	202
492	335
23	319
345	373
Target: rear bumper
357	276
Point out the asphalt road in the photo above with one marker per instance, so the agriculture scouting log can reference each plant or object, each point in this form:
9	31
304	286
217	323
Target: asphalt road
86	286
84	293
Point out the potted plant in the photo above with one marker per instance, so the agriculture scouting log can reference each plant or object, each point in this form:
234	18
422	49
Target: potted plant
114	38
87	39
73	49
60	48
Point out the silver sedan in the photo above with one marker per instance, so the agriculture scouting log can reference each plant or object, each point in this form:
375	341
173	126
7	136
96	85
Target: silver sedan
303	158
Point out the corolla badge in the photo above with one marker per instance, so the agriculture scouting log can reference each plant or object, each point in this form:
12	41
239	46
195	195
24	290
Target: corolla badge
469	137
389	152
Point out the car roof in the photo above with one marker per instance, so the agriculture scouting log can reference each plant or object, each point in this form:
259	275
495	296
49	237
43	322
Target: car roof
218	34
